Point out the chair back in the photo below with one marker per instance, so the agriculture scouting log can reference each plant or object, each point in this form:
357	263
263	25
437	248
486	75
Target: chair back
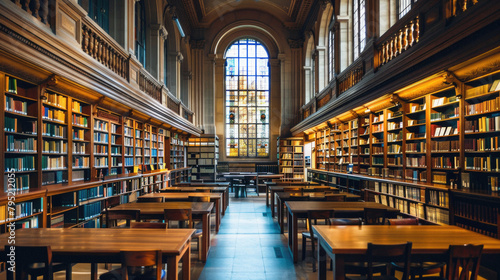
142	199
316	189
405	221
182	215
298	197
312	219
375	216
112	202
292	190
112	216
346	221
335	197
148	225
199	198
27	255
463	262
131	259
389	253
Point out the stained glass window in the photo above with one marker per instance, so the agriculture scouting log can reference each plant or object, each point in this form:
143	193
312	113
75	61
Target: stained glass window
247	99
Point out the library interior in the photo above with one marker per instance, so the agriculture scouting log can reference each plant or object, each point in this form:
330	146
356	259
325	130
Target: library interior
222	139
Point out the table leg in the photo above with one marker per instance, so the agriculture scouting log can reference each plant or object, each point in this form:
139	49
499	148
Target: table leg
292	235
172	268
186	263
281	219
206	237
272	204
217	215
338	267
321	262
93	271
267	195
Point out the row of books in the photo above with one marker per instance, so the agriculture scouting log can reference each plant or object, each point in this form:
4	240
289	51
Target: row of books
445	162
483	163
19	182
116	161
377	128
101	137
483	107
415	122
439	198
483	124
391	137
53	163
22	163
53	114
16	106
412	135
54	130
81	162
89	211
77	106
437	116
395	161
80	121
100	149
419	147
116	150
445	146
443	100
481	144
27	127
439	177
114	128
438	215
14	144
10	84
91	193
78	134
415	107
55	146
437	130
56	177
100	125
417	161
480	90
79	148
55	99
394	125
129	161
416	175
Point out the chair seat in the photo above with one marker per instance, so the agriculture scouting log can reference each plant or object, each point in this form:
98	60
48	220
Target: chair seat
306	234
116	274
197	233
38	269
362	268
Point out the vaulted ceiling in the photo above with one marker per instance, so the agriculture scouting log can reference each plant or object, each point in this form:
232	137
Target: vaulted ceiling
202	13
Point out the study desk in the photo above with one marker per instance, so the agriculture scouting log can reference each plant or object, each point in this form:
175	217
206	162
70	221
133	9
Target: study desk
284	184
224	190
184	196
244	177
266	178
282	197
430	243
155	210
299	209
103	245
303	188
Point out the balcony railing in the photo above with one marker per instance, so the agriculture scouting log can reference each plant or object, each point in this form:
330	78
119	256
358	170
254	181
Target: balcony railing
39	9
173	104
186	113
150	85
103	49
351	76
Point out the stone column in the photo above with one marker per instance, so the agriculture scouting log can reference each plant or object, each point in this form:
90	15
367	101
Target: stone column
321	67
292	98
213	97
275	103
153	41
196	83
162	54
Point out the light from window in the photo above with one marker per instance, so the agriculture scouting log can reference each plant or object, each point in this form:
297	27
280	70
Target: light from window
359	26
331	54
140	32
247	99
405	6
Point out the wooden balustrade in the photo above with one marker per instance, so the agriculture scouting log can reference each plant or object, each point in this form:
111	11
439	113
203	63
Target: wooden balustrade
351	76
173	105
104	50
150	85
38	9
403	39
187	114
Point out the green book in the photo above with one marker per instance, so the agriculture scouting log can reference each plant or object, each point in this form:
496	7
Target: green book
12	85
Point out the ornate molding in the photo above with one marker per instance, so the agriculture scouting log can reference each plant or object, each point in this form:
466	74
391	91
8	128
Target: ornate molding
492	67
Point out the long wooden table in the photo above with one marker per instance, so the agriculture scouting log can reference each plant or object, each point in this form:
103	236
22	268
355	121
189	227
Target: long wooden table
282	197
299	209
303	188
284	184
430	243
103	245
266	178
155	210
224	190
184	196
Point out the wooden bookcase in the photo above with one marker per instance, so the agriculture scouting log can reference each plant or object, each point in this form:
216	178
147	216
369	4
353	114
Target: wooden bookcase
323	149
202	156
291	157
128	145
176	152
80	139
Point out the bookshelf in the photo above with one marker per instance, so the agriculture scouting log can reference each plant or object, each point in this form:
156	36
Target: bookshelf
335	146
176	152
128	145
291	157
116	147
101	147
377	140
364	145
80	140
161	148
354	146
395	142
202	156
323	149
139	143
147	144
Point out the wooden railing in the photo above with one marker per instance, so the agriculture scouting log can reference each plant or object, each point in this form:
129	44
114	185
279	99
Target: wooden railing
186	113
103	49
38	9
351	76
397	43
150	86
173	105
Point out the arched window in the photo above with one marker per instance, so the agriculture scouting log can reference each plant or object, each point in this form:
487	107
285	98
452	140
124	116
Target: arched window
359	26
247	99
331	54
140	32
404	6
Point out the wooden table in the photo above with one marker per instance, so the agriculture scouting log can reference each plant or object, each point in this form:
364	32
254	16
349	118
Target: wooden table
284	184
245	177
155	210
184	196
430	243
103	245
299	209
289	196
266	178
224	190
303	188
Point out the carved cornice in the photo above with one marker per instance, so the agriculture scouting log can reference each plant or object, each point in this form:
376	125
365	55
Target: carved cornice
296	44
492	67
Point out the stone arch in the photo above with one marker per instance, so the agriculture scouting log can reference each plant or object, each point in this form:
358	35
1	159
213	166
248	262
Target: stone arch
322	45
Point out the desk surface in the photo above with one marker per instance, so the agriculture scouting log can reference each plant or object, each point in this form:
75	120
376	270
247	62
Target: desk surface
155	208
302	187
194	188
316	195
83	243
425	239
304	206
184	195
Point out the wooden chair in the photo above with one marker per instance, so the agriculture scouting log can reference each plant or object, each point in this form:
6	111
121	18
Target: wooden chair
375	216
416	268
144	265
185	219
142	199
108	204
386	253
346	221
463	262
148	225
113	216
36	261
312	218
